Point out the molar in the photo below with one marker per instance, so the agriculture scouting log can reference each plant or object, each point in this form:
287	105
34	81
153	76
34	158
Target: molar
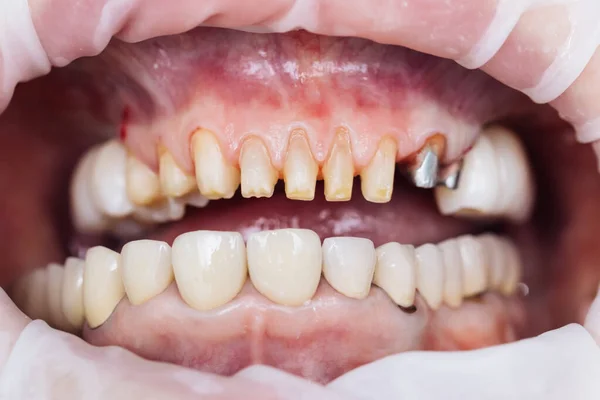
396	273
210	267
338	171
285	264
146	268
215	177
174	181
258	175
300	169
56	317
349	264
143	185
102	284
430	274
72	292
30	294
377	179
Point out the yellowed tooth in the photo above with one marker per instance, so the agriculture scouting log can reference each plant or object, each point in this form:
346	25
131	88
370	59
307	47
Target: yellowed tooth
55	277
377	178
174	181
338	171
143	185
102	284
72	292
258	174
300	169
216	178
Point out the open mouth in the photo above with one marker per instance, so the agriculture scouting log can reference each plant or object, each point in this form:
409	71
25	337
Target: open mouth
218	199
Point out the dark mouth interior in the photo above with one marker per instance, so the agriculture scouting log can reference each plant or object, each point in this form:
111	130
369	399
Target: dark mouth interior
51	122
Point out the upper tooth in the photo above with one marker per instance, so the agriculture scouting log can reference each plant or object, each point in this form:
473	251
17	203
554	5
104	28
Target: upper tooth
300	170
143	185
174	181
430	274
210	267
169	209
453	274
215	177
285	265
55	275
377	179
495	180
349	264
396	272
257	173
474	267
108	185
424	169
338	171
102	285
72	292
195	199
146	268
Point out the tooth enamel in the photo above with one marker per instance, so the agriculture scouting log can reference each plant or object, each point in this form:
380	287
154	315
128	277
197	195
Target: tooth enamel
166	210
210	267
338	171
395	272
257	173
496	260
513	267
84	213
474	266
453	275
300	170
430	274
72	292
102	284
377	179
143	185
216	178
285	264
36	302
349	264
174	181
195	199
108	184
54	277
146	269
495	180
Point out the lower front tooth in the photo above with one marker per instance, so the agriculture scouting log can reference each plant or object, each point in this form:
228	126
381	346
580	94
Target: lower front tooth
102	284
285	264
377	179
56	318
395	272
474	266
430	274
338	171
72	292
257	173
146	267
349	264
210	267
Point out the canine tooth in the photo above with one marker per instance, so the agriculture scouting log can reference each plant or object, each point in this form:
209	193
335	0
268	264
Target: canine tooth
430	274
216	178
285	264
86	216
108	184
102	284
210	267
377	179
257	173
453	275
72	292
396	273
146	269
300	170
474	266
174	181
338	171
496	260
54	280
349	264
143	185
36	303
495	180
513	267
424	169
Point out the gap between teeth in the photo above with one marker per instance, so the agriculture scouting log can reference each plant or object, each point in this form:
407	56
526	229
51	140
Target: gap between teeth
210	268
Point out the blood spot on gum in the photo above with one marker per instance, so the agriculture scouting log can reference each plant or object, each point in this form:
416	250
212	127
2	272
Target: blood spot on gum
124	123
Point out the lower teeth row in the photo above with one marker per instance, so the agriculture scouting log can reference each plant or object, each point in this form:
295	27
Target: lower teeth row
210	269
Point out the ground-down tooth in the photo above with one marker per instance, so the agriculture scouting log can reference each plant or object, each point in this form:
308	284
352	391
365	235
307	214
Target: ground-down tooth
349	264
216	178
300	169
210	267
285	264
102	284
377	178
338	170
453	274
143	184
72	292
174	181
396	272
258	176
425	167
54	281
495	180
146	269
430	274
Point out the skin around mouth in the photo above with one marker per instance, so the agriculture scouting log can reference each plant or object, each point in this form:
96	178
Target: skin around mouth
332	334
